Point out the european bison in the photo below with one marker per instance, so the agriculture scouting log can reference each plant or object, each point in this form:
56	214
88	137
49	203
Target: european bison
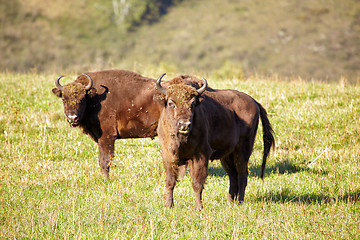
109	105
196	125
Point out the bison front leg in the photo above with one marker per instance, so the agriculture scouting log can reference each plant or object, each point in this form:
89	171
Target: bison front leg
198	172
171	176
106	154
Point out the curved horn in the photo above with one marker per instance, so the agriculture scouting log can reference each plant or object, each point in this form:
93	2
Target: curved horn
203	88
57	83
87	87
158	85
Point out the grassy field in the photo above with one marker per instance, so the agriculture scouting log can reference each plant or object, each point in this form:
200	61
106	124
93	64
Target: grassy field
51	186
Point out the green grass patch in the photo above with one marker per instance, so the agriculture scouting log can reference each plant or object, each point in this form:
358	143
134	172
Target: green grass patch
51	186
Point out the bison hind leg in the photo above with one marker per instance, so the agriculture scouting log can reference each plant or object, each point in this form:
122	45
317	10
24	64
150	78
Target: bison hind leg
230	168
241	160
236	166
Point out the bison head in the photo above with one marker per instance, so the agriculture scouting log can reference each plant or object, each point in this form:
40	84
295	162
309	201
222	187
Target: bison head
73	96
179	101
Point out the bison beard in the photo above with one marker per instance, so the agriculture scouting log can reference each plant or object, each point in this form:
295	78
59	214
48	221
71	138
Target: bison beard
222	124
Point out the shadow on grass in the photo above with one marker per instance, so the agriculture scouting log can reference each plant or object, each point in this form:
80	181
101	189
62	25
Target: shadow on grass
216	171
282	167
286	196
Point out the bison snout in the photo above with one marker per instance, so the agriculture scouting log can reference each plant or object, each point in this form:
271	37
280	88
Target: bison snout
184	127
73	119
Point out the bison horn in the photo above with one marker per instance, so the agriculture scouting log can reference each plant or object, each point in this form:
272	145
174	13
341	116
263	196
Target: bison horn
90	82
57	83
158	85
203	88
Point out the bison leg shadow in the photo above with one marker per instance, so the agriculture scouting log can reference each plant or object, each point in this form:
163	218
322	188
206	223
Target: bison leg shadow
284	166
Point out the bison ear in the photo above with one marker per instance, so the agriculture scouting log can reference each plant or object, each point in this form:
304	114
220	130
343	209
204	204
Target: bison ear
159	98
57	92
199	99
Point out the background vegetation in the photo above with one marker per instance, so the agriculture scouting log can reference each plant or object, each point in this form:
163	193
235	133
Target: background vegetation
51	186
312	39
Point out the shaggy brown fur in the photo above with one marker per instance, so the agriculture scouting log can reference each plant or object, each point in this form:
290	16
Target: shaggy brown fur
119	105
220	124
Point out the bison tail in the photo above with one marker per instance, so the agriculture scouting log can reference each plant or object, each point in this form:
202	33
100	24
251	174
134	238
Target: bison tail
268	137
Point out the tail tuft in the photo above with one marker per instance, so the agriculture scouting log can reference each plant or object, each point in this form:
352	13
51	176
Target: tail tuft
268	137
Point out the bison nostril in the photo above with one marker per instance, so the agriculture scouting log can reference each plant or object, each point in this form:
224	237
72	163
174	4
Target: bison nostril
187	125
73	118
184	126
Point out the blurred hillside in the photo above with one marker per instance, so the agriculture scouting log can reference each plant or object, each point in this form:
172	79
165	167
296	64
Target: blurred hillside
311	39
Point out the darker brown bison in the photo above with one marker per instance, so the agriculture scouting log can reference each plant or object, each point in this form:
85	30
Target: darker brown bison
109	105
196	125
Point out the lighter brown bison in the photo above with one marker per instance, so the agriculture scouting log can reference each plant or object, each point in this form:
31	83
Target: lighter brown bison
110	105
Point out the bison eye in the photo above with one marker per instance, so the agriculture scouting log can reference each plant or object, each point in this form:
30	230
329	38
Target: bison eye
64	100
171	104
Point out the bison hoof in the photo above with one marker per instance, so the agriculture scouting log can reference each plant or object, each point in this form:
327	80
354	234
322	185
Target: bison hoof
169	204
199	207
105	173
